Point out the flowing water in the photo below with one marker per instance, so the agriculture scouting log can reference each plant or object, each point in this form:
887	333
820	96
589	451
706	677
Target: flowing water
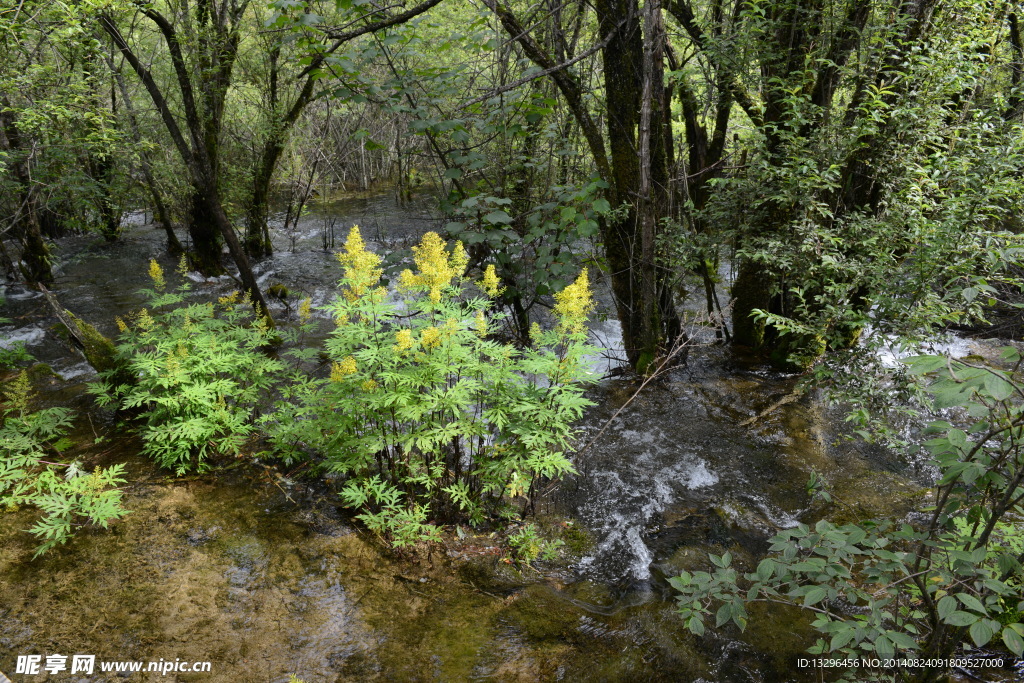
264	576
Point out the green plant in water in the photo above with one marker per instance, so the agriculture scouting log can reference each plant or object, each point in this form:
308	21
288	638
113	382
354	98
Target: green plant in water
527	546
198	375
427	417
919	591
67	496
14	353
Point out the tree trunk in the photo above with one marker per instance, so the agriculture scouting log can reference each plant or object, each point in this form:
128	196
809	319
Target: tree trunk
257	232
35	255
204	255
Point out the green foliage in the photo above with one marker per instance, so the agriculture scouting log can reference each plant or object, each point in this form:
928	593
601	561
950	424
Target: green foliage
67	496
426	416
926	588
12	355
527	546
199	376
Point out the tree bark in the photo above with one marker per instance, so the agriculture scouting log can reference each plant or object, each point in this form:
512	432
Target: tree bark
35	254
643	301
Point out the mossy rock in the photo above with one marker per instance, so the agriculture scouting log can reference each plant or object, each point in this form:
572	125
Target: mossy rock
278	291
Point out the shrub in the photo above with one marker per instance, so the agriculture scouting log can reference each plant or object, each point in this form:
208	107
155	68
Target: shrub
198	375
878	588
426	416
68	496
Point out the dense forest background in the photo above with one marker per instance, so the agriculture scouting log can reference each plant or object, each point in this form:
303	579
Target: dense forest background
844	157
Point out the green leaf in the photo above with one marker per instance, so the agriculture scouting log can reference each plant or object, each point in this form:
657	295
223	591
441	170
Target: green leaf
981	632
1014	643
971	602
814	596
842	637
498	216
902	640
946	606
959	618
765	569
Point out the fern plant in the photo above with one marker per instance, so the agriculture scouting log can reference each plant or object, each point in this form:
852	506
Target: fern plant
198	375
427	416
68	497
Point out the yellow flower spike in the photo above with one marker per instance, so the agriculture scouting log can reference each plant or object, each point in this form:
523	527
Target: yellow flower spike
305	310
146	322
182	268
121	325
406	280
403	339
480	324
535	332
369	386
430	337
451	326
346	367
432	262
460	259
229	300
362	267
490	283
156	274
574	303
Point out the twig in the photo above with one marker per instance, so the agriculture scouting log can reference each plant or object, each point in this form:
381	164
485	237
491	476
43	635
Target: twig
663	366
788	398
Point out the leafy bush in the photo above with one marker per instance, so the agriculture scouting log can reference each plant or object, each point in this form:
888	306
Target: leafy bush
876	588
67	496
198	375
528	545
427	417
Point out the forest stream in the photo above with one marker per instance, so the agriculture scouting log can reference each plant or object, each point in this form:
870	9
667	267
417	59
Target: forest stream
265	575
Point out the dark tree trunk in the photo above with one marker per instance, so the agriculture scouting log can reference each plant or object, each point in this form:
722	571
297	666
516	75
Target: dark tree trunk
643	299
204	232
35	254
102	171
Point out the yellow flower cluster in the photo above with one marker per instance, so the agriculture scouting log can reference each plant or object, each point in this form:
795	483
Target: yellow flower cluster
305	310
490	283
156	274
404	340
362	267
346	367
574	303
146	321
430	337
480	324
369	386
121	325
230	299
435	267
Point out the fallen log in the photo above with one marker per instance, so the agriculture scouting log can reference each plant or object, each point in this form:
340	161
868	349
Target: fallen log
99	351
